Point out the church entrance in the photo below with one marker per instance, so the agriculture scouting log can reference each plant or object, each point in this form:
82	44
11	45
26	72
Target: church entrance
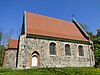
35	59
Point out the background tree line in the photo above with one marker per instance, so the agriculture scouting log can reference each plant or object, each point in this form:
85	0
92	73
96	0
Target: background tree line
4	39
1	50
96	41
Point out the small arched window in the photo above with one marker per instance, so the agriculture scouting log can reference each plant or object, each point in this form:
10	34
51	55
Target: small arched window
52	48
67	50
80	50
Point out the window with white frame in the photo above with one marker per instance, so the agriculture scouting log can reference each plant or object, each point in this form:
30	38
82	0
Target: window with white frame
67	49
52	48
80	50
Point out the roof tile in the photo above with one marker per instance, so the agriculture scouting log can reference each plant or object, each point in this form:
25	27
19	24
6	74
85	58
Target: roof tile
13	43
47	26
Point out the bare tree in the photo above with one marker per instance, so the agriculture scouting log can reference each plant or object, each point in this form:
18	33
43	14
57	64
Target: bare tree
18	32
6	36
1	34
9	34
85	27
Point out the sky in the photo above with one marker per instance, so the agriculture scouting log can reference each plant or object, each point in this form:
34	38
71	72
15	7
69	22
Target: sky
85	12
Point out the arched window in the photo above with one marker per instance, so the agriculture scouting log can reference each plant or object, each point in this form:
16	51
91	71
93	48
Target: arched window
67	50
52	48
80	49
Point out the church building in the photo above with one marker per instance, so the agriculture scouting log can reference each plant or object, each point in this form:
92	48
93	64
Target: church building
49	42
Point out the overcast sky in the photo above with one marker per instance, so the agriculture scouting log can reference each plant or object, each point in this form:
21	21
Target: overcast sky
85	12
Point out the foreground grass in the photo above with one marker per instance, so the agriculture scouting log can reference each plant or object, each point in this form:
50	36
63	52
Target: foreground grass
51	71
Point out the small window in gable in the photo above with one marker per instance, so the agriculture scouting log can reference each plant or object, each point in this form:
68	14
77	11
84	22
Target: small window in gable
80	49
52	48
67	50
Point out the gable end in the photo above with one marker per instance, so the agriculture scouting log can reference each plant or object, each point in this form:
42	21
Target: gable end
81	29
23	30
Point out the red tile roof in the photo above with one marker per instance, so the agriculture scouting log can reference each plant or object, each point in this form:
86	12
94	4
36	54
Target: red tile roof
47	26
13	43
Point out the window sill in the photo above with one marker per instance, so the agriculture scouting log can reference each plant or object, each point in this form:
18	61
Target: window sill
81	56
68	55
52	55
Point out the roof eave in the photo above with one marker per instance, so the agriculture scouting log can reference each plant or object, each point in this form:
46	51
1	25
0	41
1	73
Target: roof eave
54	38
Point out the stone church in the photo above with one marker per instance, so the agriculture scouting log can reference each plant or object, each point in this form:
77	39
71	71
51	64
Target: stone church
49	42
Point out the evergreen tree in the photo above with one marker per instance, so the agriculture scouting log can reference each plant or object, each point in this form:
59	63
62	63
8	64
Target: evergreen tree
1	34
97	48
98	32
1	55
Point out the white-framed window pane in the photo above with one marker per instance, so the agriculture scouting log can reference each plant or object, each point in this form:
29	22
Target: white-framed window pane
67	50
52	49
80	49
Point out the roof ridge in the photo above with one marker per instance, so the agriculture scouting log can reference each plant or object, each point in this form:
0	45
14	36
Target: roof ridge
49	17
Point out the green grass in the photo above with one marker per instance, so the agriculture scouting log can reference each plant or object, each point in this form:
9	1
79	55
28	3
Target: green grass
51	71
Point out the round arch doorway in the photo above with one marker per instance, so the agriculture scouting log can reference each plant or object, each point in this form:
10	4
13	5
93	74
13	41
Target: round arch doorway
35	59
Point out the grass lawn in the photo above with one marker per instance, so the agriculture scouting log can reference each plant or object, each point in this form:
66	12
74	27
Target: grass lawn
51	71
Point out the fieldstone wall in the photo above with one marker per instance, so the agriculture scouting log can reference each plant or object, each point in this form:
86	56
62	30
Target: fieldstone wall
10	58
28	45
22	63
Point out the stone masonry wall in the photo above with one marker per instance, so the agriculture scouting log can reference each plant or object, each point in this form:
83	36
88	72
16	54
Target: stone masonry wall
10	58
28	45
